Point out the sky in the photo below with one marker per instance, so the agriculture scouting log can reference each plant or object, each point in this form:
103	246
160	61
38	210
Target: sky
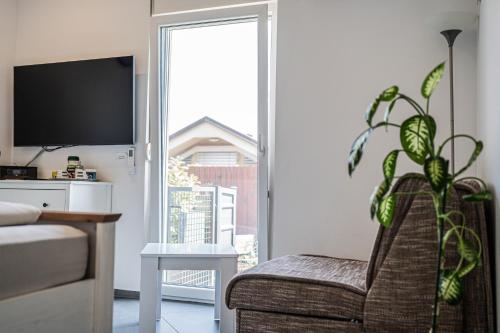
213	72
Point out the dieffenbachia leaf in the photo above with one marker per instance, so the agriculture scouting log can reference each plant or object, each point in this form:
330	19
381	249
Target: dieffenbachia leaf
385	210
467	251
450	287
431	80
389	165
357	150
376	197
480	196
389	94
472	256
385	96
436	172
477	151
415	134
388	110
372	109
467	269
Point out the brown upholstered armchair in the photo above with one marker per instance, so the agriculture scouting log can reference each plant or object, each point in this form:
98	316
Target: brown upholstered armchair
393	292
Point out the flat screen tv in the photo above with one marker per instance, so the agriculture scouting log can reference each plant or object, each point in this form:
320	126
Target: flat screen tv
88	102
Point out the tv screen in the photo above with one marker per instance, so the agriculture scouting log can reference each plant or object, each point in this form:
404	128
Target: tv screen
88	102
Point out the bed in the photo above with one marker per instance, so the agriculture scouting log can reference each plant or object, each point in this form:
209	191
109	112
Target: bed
56	273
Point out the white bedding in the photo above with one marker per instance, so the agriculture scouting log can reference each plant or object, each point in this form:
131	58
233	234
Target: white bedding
36	257
17	213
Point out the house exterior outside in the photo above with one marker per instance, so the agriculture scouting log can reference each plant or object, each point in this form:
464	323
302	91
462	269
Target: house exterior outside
207	142
219	155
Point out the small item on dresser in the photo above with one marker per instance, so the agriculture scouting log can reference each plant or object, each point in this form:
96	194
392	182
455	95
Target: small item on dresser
18	172
80	174
73	164
91	174
60	174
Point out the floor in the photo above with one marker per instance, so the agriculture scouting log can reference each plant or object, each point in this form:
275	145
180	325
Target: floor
177	317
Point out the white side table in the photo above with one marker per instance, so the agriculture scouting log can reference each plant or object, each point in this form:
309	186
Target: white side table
156	257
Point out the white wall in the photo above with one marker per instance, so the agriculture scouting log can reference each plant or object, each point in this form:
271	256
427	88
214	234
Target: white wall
489	105
173	6
333	58
7	52
60	30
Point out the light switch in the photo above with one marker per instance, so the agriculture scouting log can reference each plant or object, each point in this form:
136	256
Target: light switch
121	156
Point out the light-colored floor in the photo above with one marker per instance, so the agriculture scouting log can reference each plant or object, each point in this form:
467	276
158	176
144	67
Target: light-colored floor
177	317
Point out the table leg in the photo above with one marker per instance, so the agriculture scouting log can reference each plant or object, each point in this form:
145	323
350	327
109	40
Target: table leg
228	270
217	305
158	295
148	296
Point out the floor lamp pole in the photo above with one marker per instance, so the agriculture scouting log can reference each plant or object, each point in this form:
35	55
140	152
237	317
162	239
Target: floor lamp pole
450	36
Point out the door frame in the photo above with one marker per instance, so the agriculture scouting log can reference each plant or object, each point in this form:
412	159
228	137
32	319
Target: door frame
157	102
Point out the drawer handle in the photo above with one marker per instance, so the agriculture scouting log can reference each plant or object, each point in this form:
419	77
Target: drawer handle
45	205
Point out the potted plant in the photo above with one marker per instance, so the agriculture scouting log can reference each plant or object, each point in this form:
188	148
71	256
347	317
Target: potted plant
418	142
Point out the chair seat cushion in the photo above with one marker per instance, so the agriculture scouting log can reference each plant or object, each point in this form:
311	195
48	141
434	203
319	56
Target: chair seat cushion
304	285
36	257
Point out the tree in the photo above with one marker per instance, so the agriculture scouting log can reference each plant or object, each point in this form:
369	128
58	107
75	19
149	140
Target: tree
178	174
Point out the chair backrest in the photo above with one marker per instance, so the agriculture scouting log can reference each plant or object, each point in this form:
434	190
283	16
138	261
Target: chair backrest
402	270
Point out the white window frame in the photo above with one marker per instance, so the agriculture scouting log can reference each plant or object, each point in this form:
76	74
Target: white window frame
157	142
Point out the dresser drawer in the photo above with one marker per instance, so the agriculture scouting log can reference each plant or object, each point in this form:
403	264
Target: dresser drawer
41	198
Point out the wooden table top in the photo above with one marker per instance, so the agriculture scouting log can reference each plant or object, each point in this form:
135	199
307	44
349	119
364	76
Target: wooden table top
79	217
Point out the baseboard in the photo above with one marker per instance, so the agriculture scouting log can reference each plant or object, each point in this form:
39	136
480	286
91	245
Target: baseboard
131	294
128	294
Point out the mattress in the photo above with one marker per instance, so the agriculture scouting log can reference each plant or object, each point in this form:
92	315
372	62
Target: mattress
36	257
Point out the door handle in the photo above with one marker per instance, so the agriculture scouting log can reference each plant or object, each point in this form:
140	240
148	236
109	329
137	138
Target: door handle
261	145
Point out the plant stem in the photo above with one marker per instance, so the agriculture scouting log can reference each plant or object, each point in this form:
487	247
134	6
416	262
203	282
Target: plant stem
415	105
440	228
455	137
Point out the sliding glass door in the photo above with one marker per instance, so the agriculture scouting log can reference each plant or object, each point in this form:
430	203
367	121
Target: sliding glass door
213	132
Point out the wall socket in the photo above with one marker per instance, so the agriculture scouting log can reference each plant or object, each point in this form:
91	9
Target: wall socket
121	156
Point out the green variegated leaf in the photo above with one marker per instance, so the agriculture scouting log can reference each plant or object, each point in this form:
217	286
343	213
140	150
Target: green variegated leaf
467	269
436	172
481	196
372	109
388	110
431	80
389	165
357	150
389	94
467	251
376	197
477	151
450	287
385	96
385	210
415	134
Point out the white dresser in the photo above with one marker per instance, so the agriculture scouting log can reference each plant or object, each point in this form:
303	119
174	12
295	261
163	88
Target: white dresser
72	196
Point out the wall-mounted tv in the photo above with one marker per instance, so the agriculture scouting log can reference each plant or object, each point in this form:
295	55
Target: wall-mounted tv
88	102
